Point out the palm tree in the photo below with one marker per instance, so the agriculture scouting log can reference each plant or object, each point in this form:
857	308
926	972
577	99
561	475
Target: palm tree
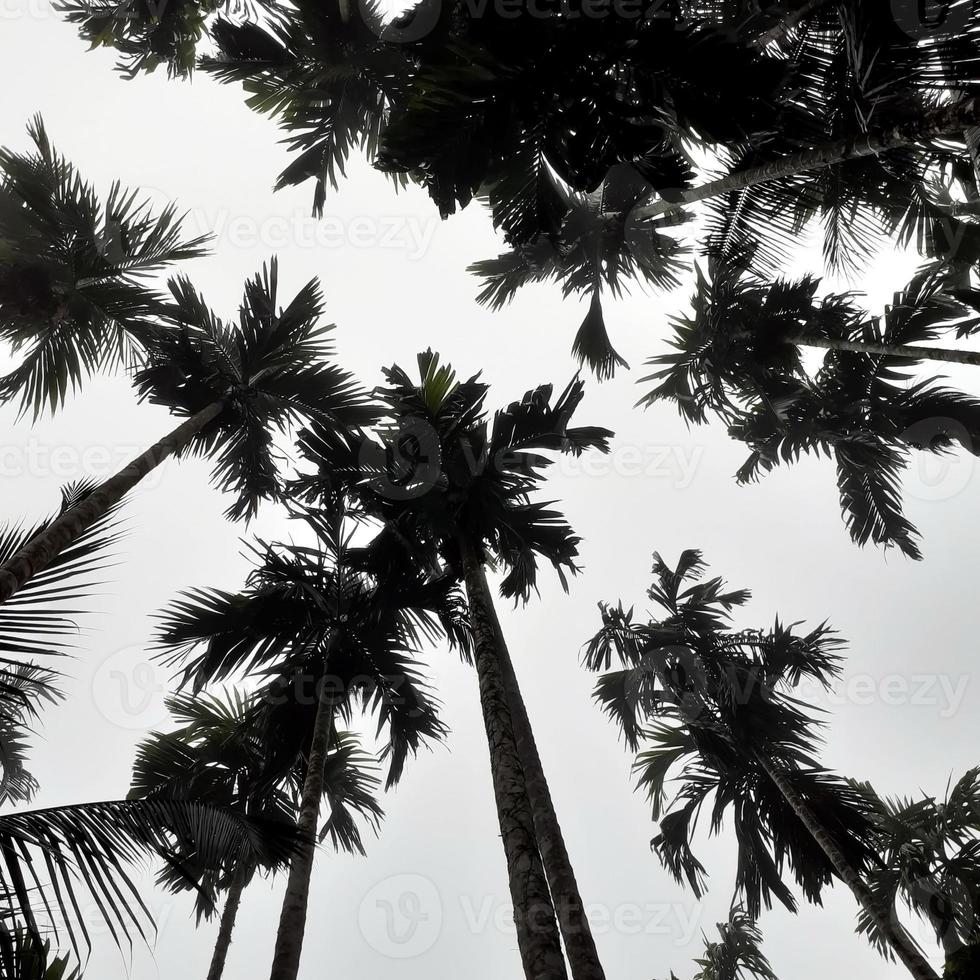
737	955
23	958
874	150
150	33
73	270
327	72
841	110
331	635
458	487
720	704
235	385
738	357
843	114
745	330
221	755
931	862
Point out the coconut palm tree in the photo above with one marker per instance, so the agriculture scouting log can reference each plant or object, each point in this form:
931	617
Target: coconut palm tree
235	385
73	293
738	357
737	954
458	487
931	863
221	755
331	635
720	706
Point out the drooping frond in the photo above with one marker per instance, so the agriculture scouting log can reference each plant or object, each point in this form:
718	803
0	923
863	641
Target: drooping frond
53	860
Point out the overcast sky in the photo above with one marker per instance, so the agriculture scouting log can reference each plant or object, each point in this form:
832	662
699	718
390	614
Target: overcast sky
395	278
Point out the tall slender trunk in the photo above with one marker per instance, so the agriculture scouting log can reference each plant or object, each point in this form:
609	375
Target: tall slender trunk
534	912
583	959
227	927
911	351
893	932
41	550
292	920
948	121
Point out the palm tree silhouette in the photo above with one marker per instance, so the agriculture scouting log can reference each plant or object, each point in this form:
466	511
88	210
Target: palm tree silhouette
720	704
457	488
931	863
739	357
331	634
236	385
737	954
221	755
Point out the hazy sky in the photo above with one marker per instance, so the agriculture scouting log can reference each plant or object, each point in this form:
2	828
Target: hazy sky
430	900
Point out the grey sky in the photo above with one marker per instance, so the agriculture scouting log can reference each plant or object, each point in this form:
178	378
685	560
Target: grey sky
396	283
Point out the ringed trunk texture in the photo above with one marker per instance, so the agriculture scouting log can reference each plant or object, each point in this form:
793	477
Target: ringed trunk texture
534	912
912	351
947	121
583	959
228	916
899	940
41	550
292	920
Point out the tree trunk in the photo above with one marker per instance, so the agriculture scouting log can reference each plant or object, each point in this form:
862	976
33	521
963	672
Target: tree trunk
910	351
292	920
534	912
948	121
41	550
583	959
892	931
227	927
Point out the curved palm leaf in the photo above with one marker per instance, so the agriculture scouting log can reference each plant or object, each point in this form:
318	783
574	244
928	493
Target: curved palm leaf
51	858
73	296
37	623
